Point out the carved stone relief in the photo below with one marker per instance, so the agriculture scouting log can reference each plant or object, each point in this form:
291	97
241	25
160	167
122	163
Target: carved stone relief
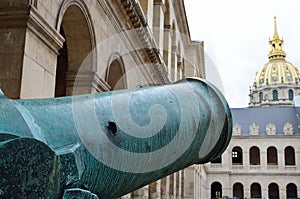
254	129
271	129
288	129
237	129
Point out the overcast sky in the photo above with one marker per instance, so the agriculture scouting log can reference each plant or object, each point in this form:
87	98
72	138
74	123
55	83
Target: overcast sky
236	35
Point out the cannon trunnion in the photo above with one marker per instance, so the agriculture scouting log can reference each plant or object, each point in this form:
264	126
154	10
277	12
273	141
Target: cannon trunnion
106	145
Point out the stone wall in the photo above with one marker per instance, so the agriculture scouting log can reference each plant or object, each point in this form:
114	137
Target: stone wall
64	47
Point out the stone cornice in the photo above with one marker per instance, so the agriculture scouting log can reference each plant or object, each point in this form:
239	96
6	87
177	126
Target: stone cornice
14	17
121	28
111	15
99	84
262	137
87	78
247	171
44	31
137	21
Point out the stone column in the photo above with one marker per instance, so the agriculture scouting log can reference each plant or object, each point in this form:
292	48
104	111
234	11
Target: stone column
158	23
12	38
174	63
180	189
264	192
175	184
196	184
281	163
171	185
42	43
163	187
226	188
180	69
145	192
147	6
141	193
246	160
27	43
247	192
263	159
282	192
189	182
153	190
167	187
167	51
158	189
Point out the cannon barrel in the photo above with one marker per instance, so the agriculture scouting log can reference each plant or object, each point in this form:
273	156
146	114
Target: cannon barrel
109	144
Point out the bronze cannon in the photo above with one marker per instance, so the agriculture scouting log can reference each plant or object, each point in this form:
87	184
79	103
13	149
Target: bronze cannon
106	145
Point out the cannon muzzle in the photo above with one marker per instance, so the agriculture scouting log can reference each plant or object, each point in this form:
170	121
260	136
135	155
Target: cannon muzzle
111	143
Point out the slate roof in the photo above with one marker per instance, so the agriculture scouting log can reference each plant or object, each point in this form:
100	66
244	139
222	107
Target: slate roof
279	116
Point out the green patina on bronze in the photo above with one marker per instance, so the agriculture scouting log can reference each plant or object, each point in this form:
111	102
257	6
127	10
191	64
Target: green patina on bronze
96	146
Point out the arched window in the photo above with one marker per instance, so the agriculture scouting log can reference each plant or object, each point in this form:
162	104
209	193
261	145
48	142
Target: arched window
260	97
291	191
291	94
77	50
275	95
237	156
238	190
273	191
174	49
216	190
289	155
254	156
272	156
115	75
255	190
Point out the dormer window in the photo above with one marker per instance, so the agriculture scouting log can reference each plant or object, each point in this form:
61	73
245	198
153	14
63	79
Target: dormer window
260	97
275	95
291	94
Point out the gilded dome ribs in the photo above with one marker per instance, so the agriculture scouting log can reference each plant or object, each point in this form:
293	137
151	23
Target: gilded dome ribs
278	74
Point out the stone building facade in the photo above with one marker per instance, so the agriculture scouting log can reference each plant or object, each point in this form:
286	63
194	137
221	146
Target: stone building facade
55	48
46	45
263	157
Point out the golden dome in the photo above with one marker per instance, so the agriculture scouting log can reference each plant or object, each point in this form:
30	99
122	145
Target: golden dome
277	70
